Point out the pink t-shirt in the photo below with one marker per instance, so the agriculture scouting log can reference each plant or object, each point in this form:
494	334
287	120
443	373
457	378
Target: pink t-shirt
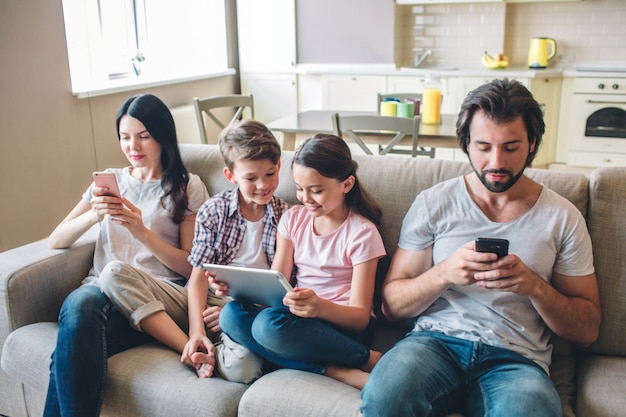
324	263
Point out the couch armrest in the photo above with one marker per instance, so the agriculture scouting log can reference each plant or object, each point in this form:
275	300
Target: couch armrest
34	280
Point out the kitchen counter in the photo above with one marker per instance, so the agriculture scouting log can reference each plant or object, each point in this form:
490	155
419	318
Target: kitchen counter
450	71
587	71
441	71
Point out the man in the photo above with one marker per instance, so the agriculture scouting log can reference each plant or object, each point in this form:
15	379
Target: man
480	342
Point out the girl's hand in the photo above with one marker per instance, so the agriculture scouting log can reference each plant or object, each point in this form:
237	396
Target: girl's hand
303	302
219	288
211	317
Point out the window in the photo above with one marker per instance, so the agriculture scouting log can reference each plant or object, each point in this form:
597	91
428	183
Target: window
114	44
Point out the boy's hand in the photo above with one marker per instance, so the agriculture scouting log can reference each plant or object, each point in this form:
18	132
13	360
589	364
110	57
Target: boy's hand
219	288
211	317
199	352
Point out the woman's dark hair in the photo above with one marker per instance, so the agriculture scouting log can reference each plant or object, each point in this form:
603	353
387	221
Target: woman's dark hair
502	101
331	157
158	120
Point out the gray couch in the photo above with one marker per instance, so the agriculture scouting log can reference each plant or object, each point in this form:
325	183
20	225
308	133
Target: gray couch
150	381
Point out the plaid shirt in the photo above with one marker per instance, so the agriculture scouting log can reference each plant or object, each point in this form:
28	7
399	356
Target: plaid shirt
220	229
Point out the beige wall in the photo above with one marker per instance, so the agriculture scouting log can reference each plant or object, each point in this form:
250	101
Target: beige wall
50	141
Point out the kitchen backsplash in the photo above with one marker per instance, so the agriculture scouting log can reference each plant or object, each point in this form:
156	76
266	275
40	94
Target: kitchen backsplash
589	32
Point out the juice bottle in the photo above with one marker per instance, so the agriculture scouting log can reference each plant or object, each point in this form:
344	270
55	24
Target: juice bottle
431	101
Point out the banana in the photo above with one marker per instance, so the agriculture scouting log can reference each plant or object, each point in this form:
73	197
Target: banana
494	62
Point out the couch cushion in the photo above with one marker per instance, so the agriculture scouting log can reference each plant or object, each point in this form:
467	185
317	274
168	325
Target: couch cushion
602	389
150	381
26	354
607	224
146	381
288	393
394	181
571	185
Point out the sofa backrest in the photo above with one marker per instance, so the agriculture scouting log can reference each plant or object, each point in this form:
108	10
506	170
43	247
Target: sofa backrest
393	181
607	225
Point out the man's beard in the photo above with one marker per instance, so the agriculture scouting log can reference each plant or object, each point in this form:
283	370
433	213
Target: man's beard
498	186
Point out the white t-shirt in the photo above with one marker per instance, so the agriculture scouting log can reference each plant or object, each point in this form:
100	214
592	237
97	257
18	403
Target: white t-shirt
116	243
551	236
251	253
325	263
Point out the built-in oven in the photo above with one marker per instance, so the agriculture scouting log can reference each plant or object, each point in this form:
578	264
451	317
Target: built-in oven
598	122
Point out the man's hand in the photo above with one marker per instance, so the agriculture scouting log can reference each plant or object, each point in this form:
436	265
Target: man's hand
509	274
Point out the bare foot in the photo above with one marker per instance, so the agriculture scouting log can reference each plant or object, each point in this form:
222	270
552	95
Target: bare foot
351	376
354	377
204	364
372	361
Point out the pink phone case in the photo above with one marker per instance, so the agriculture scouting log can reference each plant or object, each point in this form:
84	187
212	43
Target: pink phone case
108	180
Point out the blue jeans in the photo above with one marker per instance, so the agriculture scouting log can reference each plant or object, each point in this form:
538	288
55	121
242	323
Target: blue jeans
90	331
290	341
431	374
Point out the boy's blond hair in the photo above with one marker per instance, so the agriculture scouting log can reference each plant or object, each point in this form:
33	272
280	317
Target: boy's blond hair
248	140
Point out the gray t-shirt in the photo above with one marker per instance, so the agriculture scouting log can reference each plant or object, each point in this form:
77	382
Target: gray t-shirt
551	237
116	243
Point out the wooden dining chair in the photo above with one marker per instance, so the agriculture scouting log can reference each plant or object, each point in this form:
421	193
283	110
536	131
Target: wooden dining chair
206	106
357	127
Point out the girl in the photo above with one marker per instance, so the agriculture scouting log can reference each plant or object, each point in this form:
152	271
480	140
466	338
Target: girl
147	233
333	242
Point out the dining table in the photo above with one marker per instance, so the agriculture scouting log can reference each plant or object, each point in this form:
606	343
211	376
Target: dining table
306	123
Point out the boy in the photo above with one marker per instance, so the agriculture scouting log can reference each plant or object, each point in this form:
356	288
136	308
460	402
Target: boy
237	226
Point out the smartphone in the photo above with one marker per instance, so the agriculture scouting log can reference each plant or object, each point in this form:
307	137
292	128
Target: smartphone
491	245
108	180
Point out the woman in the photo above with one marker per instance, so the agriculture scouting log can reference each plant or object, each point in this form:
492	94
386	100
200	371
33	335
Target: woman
148	231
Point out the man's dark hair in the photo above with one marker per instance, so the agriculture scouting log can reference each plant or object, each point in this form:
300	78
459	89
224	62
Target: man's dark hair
502	101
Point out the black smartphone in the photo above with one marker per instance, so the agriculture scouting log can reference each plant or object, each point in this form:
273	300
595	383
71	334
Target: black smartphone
491	245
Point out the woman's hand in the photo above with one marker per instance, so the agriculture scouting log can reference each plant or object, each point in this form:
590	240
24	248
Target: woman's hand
102	204
303	302
130	217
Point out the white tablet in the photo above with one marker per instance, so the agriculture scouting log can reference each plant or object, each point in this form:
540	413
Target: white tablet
259	286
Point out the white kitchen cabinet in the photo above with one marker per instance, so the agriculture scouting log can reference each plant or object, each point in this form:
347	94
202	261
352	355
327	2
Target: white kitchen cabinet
352	92
400	2
267	56
275	95
535	1
466	84
593	159
547	92
267	35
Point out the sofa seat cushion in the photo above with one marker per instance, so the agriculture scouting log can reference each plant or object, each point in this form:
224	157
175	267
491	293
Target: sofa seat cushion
601	386
27	351
148	380
288	393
